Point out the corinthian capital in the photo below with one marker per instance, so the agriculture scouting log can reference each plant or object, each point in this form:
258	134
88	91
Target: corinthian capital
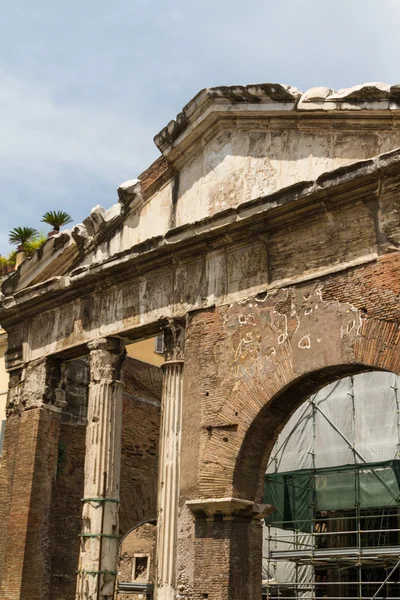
107	357
174	338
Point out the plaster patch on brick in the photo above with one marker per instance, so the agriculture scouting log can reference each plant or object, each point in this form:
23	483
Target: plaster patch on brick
305	342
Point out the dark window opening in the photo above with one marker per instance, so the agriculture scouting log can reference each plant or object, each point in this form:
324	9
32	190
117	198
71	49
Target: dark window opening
141	564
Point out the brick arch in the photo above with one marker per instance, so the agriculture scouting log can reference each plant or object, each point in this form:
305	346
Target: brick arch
258	442
263	357
271	388
376	347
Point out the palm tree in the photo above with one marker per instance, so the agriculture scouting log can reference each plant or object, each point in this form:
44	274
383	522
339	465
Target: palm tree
56	218
21	236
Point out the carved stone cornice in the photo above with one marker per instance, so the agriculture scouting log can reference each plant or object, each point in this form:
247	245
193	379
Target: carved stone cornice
254	103
229	507
352	184
106	358
174	339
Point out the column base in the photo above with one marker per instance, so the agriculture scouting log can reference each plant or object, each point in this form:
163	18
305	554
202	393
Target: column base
166	592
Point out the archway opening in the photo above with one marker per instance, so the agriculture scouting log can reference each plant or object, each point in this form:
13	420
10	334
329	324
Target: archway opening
136	564
333	475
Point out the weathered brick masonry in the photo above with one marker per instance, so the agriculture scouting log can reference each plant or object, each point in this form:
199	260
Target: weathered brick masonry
28	519
140	437
66	511
244	363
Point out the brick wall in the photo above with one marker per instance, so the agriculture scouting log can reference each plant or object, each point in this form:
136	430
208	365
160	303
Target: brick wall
227	559
66	511
28	548
7	468
140	435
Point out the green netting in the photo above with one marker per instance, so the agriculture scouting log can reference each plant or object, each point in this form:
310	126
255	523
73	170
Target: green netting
336	490
380	487
298	495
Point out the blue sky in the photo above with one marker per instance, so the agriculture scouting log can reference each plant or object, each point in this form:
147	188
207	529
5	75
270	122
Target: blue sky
86	84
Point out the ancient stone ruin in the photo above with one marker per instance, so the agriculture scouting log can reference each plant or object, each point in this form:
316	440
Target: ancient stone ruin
264	244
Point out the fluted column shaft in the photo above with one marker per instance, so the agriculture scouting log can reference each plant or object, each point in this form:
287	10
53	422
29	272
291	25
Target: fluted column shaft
169	460
100	528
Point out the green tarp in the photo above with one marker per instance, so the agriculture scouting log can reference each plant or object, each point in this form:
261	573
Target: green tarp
298	495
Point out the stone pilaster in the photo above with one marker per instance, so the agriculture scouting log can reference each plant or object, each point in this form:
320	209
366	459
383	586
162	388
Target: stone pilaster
169	459
100	530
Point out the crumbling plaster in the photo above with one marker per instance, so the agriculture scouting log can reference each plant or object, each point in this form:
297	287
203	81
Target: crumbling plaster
259	347
248	367
238	164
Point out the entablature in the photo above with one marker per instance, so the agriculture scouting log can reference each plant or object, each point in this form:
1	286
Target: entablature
343	219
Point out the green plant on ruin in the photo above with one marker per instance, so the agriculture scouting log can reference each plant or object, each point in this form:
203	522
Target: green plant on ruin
22	236
3	264
27	239
30	247
56	218
7	263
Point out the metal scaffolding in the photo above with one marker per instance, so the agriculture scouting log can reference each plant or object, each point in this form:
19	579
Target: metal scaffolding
334	477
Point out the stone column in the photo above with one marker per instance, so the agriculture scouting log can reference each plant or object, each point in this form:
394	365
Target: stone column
100	530
27	477
169	459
